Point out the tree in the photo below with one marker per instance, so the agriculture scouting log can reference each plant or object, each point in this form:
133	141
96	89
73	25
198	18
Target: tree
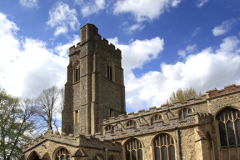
183	95
16	126
48	105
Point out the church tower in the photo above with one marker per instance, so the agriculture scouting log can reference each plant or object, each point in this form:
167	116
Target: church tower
95	88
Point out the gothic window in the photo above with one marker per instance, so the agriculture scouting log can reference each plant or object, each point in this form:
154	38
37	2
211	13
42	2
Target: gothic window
133	150
164	147
63	154
76	72
110	128
111	112
110	70
229	127
111	157
155	118
185	111
132	123
98	157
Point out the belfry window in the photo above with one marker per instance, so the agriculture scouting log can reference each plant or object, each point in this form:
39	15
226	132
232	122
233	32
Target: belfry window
110	128
132	123
155	118
182	113
229	127
133	150
76	117
63	154
76	72
164	147
109	71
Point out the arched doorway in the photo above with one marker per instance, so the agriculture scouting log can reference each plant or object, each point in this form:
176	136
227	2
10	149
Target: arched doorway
33	156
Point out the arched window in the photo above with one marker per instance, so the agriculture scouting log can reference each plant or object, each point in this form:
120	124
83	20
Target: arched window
76	73
155	118
182	113
111	157
110	128
132	123
164	147
133	150
98	157
62	154
110	70
229	127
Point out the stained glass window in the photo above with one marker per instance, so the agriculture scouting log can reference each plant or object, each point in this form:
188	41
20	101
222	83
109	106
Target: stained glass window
133	150
164	147
229	127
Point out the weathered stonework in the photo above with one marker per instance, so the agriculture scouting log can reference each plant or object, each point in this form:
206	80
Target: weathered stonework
95	117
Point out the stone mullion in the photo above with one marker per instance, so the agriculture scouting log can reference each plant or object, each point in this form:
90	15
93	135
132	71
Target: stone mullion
235	133
225	124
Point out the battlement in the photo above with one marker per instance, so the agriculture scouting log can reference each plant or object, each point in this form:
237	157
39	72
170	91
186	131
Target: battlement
79	141
76	48
155	110
227	90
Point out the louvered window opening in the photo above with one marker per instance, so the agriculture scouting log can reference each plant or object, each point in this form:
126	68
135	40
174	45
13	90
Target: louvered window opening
133	150
229	127
164	148
109	71
77	74
110	128
155	118
184	112
132	124
63	154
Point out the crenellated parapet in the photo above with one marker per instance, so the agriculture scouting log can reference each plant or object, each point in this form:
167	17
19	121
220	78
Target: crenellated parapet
77	141
230	89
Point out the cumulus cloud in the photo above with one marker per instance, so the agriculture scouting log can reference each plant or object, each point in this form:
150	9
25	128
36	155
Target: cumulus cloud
189	49
203	71
138	52
92	7
27	66
62	18
225	27
29	3
144	9
200	3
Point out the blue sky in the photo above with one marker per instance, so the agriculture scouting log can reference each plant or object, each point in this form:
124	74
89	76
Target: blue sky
166	44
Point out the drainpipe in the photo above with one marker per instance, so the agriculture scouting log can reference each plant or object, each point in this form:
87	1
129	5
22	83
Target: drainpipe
105	150
177	131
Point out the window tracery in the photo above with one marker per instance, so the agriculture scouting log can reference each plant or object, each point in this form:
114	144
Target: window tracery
164	147
155	118
229	127
133	150
63	154
98	157
111	157
184	112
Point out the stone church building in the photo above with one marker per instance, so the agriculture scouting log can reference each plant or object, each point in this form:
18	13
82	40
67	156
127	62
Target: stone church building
95	125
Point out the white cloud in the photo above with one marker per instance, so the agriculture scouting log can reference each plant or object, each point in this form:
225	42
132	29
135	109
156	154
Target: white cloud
144	9
201	3
27	66
62	17
132	28
203	71
189	49
138	52
92	7
196	31
224	27
29	3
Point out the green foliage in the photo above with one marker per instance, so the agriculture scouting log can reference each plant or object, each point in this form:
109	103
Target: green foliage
16	126
183	95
